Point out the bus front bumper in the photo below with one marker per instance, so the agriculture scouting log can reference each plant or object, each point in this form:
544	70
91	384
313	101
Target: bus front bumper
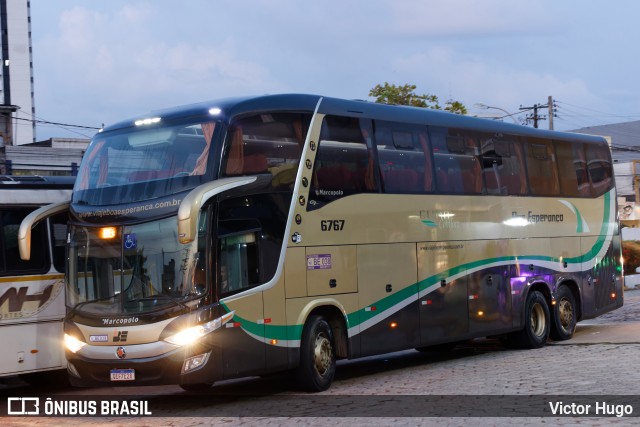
180	366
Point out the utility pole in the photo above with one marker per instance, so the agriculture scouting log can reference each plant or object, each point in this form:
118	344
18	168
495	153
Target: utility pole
535	117
551	112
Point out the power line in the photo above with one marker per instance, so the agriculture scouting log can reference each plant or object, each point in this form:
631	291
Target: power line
600	113
66	126
56	123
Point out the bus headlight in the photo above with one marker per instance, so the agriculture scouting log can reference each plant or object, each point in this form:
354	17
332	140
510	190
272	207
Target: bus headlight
190	335
73	344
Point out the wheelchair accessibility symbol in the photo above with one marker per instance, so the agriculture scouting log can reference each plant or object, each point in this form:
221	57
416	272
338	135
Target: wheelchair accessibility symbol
130	241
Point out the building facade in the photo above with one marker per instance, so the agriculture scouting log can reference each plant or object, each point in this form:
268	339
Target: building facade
17	109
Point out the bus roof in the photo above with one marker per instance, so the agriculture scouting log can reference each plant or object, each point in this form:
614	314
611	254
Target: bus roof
230	107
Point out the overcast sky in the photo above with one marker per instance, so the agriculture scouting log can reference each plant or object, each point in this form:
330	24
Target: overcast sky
99	62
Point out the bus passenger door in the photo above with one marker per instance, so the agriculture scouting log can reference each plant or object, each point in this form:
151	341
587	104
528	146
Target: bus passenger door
444	316
241	340
387	285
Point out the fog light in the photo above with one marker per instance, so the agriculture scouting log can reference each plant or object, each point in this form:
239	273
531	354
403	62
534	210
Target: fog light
195	362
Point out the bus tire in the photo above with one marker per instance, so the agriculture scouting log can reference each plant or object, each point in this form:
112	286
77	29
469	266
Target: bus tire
536	323
564	315
317	356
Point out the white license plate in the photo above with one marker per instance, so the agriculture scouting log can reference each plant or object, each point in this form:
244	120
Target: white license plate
123	374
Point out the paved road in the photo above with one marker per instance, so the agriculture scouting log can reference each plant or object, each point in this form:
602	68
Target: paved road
599	364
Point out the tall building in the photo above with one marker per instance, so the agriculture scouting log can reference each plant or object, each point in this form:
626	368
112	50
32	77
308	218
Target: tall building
17	125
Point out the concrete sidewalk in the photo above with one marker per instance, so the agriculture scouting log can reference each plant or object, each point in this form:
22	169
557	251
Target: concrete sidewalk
599	333
621	326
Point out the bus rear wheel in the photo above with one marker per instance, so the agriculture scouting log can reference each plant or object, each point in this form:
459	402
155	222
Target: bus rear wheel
317	356
536	323
564	316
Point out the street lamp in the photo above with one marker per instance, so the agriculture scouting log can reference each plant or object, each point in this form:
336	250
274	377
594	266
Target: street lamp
488	107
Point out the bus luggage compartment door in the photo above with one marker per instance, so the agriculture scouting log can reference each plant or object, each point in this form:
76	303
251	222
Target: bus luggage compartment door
331	270
388	293
443	303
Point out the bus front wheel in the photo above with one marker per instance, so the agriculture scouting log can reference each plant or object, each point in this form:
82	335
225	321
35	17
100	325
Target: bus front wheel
564	316
317	356
536	323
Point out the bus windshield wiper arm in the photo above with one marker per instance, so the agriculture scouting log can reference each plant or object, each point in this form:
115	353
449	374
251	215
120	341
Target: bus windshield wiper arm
160	296
82	304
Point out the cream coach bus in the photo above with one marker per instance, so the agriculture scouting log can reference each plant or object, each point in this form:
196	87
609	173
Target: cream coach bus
248	236
32	305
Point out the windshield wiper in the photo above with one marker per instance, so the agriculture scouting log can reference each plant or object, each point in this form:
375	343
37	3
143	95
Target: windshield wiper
159	296
82	304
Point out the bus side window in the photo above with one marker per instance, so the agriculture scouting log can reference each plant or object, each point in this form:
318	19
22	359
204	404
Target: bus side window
502	165
59	240
456	161
266	143
599	167
3	246
10	221
344	162
574	182
542	167
404	157
239	264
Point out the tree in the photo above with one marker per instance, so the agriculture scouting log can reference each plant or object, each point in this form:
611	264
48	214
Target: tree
406	95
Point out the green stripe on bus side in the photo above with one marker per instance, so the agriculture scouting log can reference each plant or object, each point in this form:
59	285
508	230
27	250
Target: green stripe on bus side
602	236
268	331
356	318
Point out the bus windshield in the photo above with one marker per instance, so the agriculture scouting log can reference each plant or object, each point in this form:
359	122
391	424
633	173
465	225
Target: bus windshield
133	269
144	162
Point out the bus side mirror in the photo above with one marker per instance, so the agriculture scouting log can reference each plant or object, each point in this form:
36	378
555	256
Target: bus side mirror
190	206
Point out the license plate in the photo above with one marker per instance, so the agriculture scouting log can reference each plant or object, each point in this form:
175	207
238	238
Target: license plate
123	374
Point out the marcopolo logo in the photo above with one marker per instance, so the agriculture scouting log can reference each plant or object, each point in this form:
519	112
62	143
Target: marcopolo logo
120	321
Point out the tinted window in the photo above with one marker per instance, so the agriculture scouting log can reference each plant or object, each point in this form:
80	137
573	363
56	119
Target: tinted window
572	170
266	143
541	167
456	162
58	240
503	165
145	162
10	262
250	231
404	158
599	167
344	163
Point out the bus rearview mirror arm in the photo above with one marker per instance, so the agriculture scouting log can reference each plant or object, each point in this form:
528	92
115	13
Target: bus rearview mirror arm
31	220
189	209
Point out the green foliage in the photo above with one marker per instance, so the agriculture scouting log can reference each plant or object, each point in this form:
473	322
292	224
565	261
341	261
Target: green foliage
631	256
406	95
